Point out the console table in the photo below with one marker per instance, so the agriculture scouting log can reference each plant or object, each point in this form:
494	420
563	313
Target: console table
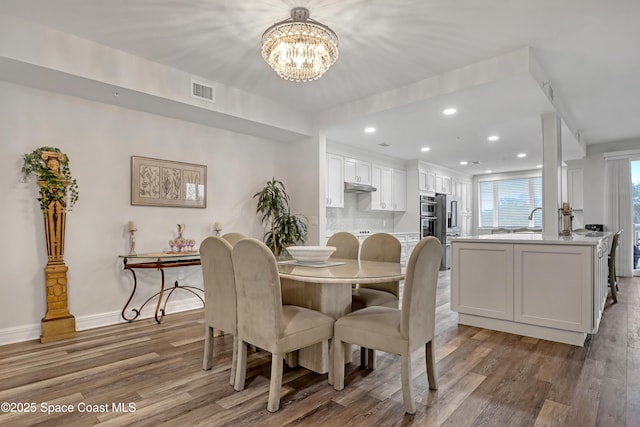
158	261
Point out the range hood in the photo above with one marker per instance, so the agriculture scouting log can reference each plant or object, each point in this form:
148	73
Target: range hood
356	187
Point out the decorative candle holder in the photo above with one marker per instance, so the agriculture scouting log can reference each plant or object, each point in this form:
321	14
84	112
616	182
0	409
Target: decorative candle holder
132	242
132	237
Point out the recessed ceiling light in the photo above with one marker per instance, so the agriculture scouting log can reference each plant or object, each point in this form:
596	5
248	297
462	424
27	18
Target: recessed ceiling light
425	149
539	166
464	162
493	138
488	171
370	130
521	155
449	111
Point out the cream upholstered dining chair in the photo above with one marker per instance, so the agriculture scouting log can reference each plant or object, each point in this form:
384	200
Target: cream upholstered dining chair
264	321
233	238
220	297
613	278
382	247
398	331
347	245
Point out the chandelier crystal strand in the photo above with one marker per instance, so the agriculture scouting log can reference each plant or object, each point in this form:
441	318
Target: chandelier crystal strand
299	48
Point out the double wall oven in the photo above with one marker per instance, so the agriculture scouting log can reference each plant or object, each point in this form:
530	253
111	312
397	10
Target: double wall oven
428	216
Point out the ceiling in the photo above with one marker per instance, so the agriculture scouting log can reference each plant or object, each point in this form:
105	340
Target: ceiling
587	49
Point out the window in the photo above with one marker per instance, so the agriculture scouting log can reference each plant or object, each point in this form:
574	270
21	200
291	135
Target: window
509	202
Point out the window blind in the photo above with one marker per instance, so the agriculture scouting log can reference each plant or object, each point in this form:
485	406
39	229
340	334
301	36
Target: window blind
508	202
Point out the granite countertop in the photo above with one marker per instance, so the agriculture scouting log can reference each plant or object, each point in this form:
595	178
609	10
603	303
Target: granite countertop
536	238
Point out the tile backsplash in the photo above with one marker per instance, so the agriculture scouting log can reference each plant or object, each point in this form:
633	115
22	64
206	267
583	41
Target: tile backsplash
351	219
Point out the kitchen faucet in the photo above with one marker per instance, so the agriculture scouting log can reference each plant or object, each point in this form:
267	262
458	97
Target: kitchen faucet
531	214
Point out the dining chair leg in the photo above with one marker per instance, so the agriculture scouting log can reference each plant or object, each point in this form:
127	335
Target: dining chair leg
241	369
331	362
431	366
363	357
371	359
612	285
338	364
407	383
276	382
208	348
234	360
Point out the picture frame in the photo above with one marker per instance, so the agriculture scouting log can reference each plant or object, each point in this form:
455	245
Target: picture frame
156	182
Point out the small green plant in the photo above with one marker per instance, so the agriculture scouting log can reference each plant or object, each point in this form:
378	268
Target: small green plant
53	186
284	229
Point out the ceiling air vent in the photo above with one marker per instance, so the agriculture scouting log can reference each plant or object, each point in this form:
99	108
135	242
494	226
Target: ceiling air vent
384	144
203	91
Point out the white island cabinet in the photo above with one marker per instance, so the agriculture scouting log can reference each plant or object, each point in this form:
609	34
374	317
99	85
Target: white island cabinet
526	284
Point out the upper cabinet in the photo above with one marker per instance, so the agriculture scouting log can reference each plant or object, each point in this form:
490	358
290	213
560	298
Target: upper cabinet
443	184
382	179
466	204
427	181
335	181
391	189
399	190
357	171
575	188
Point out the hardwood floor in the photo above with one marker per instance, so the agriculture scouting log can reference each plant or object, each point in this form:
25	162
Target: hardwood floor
147	374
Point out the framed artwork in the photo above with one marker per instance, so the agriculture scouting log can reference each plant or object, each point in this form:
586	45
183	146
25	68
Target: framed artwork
156	182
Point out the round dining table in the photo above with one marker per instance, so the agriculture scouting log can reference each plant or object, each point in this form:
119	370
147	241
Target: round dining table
327	287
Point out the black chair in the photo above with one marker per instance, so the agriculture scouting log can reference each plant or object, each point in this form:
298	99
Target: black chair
613	279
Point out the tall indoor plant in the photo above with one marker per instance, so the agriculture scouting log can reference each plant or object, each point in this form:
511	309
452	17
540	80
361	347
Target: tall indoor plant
58	193
283	228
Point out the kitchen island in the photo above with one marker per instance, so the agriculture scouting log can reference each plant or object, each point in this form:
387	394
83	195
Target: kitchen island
553	288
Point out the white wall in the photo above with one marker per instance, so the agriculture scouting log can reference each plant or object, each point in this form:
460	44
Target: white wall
99	140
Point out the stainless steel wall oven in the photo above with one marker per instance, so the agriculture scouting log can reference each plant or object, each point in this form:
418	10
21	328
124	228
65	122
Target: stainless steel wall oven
428	216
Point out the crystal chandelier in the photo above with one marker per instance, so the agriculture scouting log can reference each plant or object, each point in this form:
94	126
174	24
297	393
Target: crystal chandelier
299	48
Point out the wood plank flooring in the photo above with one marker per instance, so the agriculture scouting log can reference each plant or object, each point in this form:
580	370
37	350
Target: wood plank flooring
148	374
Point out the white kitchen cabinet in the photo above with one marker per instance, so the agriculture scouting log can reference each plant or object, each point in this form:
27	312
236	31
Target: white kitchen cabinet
466	208
575	189
427	181
552	288
382	179
357	171
443	184
399	190
483	278
335	181
408	242
456	188
558	294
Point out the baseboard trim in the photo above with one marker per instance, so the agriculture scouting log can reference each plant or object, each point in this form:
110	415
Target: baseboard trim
30	332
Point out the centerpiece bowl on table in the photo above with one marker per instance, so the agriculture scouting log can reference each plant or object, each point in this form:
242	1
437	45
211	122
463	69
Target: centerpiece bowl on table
311	253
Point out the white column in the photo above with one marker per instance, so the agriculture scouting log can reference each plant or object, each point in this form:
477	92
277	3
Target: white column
551	174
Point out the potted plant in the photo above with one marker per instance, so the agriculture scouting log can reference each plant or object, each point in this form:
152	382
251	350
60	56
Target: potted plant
55	180
283	228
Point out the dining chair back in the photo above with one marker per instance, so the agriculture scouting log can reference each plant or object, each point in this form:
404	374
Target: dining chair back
347	245
220	296
398	331
613	278
381	247
233	238
264	321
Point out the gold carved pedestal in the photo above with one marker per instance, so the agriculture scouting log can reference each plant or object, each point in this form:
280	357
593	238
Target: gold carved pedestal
57	323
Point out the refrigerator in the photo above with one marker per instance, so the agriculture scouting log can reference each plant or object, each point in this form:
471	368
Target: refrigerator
449	220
